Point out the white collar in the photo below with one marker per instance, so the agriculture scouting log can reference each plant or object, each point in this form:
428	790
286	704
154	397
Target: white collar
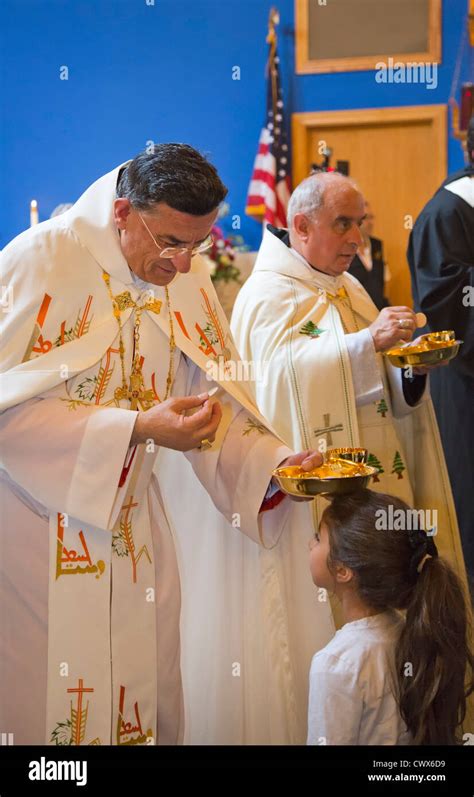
464	188
330	283
142	285
91	218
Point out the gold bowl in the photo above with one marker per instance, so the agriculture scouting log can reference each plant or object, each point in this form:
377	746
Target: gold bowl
430	349
445	336
336	475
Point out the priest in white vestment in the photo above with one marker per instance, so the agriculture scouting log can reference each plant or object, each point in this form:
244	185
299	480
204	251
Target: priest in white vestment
314	338
104	355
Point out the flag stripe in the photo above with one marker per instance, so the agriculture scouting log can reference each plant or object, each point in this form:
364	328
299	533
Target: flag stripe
270	184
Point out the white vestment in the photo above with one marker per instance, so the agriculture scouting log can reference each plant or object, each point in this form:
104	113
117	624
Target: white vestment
321	384
89	585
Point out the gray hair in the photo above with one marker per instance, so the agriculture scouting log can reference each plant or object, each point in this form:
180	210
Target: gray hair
308	196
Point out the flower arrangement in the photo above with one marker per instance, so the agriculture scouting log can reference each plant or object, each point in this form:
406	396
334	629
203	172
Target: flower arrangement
221	256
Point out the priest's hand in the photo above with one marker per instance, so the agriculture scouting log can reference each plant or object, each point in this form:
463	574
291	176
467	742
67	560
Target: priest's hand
393	325
308	460
168	425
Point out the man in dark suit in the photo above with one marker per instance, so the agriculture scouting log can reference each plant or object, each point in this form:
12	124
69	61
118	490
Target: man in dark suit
368	265
441	258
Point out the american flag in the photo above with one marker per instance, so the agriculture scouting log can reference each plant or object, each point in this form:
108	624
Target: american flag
270	186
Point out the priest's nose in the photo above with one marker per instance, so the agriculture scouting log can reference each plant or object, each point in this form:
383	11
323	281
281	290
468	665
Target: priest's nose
355	235
182	263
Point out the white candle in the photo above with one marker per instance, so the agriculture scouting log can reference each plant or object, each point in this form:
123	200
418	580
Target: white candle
33	212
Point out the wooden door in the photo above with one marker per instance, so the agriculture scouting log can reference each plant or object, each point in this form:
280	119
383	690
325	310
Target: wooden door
398	158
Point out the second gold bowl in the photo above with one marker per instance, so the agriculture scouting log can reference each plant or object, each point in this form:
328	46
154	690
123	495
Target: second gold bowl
430	349
338	477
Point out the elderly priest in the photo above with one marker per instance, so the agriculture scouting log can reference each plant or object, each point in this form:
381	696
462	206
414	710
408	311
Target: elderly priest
313	333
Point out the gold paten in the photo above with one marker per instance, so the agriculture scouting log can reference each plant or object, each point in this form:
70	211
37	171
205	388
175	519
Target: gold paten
344	471
430	349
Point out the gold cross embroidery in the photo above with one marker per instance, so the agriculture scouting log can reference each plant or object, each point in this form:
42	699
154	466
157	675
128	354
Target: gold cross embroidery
136	393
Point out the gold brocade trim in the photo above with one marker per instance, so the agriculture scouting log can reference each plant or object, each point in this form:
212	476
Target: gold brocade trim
342	296
134	390
124	301
154	305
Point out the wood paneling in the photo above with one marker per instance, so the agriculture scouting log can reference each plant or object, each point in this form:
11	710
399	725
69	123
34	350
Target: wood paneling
398	158
363	24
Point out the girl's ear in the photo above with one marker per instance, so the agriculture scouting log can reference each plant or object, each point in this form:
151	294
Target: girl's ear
344	574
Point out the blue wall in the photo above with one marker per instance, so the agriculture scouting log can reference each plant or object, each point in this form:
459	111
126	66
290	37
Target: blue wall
162	72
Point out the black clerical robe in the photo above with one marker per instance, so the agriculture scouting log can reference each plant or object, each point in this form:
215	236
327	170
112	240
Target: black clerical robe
441	258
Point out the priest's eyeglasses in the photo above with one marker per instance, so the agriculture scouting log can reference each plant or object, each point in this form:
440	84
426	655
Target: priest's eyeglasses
168	251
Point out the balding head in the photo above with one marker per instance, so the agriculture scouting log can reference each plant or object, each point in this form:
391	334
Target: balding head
308	197
324	216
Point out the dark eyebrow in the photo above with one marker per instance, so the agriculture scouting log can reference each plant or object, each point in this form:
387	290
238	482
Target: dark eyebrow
351	218
177	242
172	239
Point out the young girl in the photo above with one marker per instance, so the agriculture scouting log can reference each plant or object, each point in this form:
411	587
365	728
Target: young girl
386	677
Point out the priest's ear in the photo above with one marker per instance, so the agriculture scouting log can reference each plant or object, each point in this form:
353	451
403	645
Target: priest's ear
122	208
301	226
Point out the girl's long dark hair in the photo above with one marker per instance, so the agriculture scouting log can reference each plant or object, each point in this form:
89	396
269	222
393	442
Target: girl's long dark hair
434	663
